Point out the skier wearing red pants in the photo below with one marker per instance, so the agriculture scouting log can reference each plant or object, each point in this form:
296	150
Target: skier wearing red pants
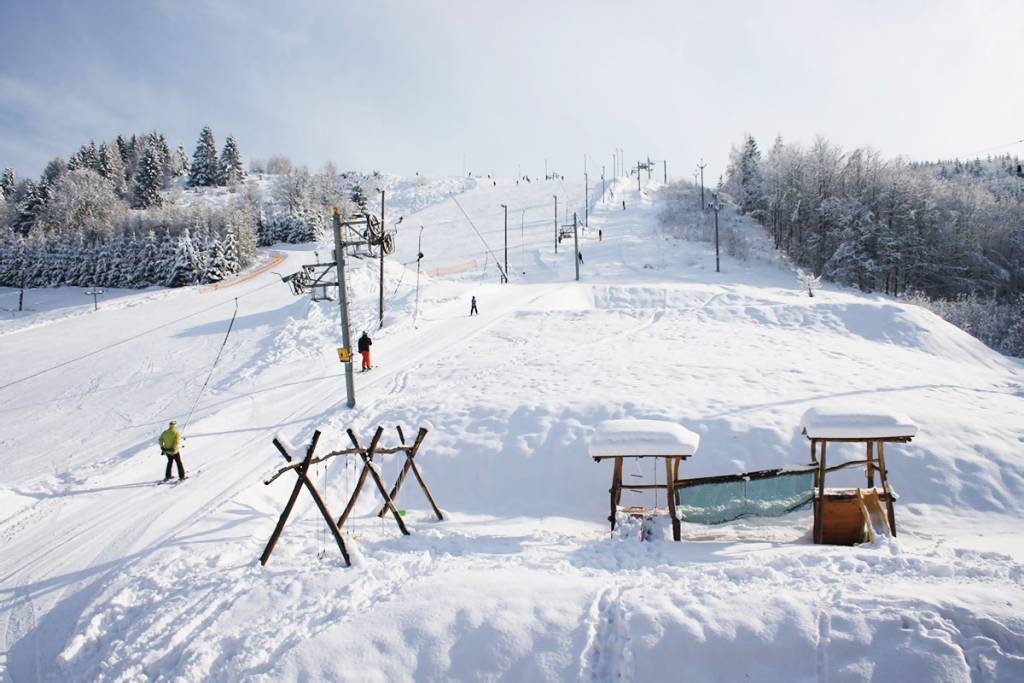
364	350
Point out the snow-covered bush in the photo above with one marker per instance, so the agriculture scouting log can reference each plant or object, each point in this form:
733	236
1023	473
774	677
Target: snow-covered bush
82	202
808	282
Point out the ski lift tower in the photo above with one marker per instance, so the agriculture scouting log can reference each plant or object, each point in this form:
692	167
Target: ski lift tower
354	231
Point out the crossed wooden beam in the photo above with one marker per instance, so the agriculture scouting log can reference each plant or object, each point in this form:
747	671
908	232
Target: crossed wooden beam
301	470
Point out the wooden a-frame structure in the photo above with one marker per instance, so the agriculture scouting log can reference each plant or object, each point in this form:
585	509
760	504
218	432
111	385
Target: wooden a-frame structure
301	470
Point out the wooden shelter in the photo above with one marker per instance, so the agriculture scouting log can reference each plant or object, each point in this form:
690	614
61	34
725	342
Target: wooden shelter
617	440
840	514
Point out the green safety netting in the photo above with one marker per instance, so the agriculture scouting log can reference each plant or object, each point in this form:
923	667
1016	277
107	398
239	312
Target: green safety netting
765	493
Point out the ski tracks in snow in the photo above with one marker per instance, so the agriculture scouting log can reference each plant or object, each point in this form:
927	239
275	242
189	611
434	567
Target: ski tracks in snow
608	654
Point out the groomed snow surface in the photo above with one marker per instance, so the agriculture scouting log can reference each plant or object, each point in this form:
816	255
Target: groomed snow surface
107	576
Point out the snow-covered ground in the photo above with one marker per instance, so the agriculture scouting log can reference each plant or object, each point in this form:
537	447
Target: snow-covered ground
106	576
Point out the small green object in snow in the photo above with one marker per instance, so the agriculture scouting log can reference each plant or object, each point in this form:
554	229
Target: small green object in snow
401	513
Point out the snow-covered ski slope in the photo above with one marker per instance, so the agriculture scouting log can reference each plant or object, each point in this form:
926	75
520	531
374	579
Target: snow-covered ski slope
106	576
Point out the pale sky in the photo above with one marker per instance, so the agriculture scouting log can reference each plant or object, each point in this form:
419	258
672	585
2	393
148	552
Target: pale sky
423	86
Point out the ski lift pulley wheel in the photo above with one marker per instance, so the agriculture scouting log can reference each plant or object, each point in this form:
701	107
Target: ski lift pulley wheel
388	244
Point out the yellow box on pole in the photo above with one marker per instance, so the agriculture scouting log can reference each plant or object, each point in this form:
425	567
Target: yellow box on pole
344	355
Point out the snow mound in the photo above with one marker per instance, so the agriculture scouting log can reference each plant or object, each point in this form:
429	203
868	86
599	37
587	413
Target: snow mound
838	423
643	437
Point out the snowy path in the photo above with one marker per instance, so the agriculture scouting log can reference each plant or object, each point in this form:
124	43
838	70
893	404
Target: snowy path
106	576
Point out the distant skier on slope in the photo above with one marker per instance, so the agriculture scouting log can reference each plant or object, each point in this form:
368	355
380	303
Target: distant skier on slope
170	445
600	235
364	350
579	254
472	306
623	204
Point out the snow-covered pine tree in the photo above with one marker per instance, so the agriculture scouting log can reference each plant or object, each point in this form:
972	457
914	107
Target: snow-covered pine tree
102	265
217	266
166	249
53	171
231	252
112	168
205	168
148	180
28	208
82	266
145	267
158	142
122	261
231	170
123	150
179	162
134	148
186	267
87	156
242	228
57	263
35	259
12	258
7	184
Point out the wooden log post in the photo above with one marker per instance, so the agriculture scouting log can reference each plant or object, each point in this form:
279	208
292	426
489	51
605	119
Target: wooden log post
368	468
883	475
616	490
283	519
871	465
670	488
355	493
819	518
410	464
301	480
814	452
326	514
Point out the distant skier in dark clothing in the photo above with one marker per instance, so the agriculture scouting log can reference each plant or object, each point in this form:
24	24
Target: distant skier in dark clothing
600	235
170	445
623	204
472	306
364	350
580	255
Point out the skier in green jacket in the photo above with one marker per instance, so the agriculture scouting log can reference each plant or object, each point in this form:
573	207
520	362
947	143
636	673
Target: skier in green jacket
170	445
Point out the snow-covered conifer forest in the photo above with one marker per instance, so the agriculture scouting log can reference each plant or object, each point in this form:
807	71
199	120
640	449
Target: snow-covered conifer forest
134	213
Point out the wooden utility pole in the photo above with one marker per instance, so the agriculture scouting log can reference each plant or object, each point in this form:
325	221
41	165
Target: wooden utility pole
586	199
556	223
664	171
576	245
346	336
638	176
504	275
701	166
419	257
383	229
716	206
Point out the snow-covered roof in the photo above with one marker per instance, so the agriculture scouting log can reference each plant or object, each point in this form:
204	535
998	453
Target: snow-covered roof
836	423
643	437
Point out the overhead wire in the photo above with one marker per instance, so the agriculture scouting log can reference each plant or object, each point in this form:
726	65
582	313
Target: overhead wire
107	347
482	240
215	361
992	149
